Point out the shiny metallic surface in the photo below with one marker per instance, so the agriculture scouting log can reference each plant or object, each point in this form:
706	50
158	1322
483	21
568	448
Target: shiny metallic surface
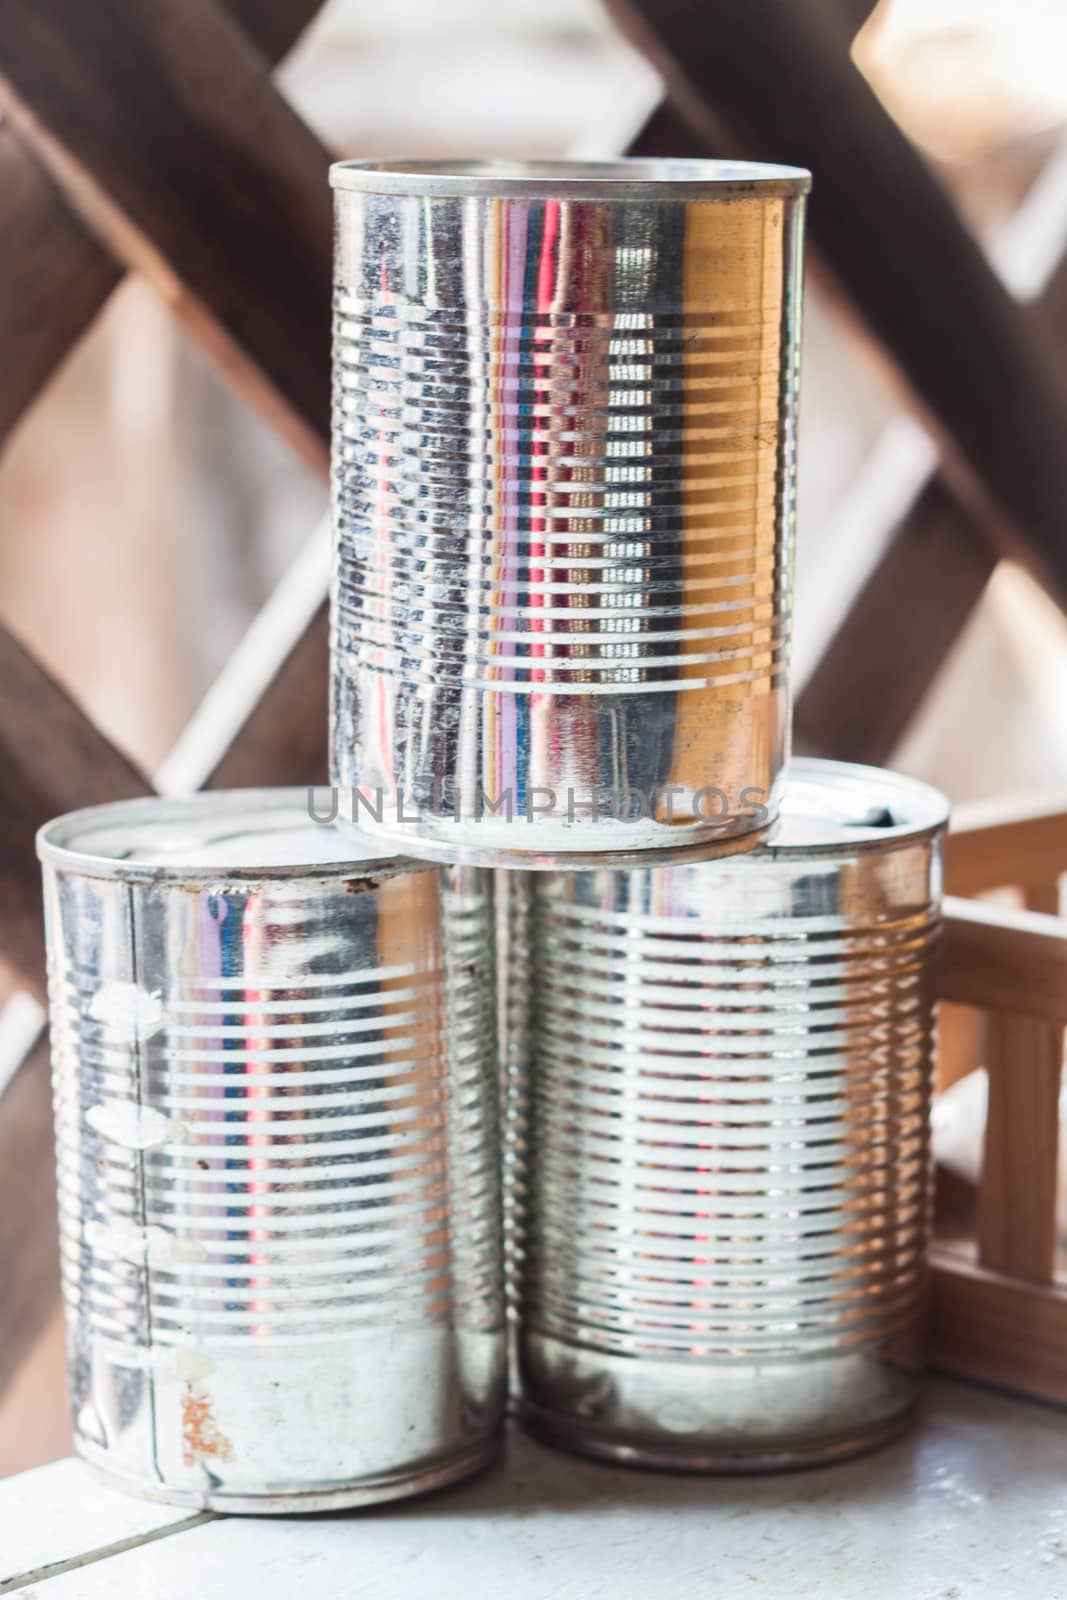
564	455
727	1174
512	901
277	1146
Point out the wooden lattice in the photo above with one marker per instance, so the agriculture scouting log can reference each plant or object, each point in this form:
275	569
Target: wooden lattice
999	1314
147	135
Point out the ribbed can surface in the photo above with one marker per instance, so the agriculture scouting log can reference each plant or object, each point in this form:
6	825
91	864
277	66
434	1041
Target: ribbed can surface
276	1127
564	455
727	1184
512	903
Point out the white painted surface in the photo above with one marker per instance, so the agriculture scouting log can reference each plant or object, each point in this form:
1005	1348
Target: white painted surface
974	1504
21	1025
58	1513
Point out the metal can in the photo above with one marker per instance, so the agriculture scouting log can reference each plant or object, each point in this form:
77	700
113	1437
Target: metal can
512	899
727	1182
276	1126
564	447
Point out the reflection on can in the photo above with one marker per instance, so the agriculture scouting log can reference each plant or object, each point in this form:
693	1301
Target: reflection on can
564	454
727	1180
276	1127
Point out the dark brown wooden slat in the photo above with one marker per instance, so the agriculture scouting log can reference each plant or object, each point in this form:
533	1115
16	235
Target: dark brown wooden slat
54	277
52	759
879	665
274	26
780	77
667	133
29	1245
854	13
881	662
220	196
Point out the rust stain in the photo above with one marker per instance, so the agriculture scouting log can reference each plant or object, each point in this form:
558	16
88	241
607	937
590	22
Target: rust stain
202	1438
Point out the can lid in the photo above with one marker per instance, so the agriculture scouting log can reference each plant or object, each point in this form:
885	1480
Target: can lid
838	804
234	834
629	178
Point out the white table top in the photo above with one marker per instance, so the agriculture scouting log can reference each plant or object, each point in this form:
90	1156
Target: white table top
972	1504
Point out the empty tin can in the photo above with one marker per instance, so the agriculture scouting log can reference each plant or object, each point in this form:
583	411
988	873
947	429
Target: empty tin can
564	446
727	1182
276	1127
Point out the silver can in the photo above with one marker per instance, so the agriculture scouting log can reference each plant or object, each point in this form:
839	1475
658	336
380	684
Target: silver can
564	447
277	1147
727	1182
512	898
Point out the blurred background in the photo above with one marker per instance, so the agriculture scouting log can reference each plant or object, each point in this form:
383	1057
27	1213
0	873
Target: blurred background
205	506
148	512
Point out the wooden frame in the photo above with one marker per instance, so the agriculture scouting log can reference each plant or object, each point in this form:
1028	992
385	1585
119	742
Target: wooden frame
998	1313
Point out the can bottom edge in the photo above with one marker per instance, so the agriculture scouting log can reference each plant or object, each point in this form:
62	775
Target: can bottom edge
708	1457
372	1492
449	847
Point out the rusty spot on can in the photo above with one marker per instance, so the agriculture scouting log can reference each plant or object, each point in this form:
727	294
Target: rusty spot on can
202	1437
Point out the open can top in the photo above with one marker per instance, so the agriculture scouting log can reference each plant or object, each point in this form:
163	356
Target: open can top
836	806
235	834
634	178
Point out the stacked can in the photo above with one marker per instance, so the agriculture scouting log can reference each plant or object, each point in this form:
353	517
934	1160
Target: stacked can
564	459
564	425
726	1160
276	1131
513	965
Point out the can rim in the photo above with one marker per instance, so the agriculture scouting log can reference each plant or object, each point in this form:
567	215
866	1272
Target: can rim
832	806
627	178
175	829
